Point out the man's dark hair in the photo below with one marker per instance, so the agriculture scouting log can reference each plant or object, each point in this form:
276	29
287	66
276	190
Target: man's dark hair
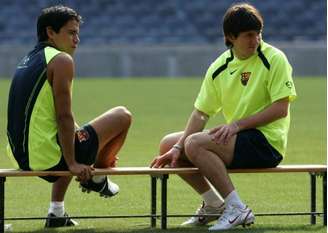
55	17
241	18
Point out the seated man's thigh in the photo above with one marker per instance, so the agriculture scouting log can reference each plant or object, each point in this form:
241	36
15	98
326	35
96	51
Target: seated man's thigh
204	140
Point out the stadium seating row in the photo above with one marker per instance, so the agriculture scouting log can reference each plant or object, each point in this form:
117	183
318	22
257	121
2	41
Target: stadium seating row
169	21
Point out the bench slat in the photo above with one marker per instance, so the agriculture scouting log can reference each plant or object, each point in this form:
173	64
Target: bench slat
107	171
283	169
159	171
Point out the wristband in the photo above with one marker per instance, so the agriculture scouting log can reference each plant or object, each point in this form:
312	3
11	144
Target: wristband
178	147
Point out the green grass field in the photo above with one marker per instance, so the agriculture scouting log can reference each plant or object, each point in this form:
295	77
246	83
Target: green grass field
160	106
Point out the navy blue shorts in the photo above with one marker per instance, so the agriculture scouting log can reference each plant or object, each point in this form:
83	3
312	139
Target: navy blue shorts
86	148
252	150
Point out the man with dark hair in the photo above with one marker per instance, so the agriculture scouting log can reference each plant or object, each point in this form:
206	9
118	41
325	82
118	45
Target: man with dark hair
41	130
251	83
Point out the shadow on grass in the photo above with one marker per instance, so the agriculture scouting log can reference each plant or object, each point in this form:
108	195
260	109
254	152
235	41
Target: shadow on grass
255	229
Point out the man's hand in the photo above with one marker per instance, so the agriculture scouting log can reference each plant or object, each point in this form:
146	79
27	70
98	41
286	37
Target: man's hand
171	157
83	172
223	133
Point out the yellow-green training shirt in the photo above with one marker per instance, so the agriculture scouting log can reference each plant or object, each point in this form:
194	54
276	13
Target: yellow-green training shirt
241	88
32	127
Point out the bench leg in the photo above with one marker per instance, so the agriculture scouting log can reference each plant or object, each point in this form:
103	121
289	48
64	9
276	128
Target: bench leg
324	198
313	198
153	211
2	204
164	202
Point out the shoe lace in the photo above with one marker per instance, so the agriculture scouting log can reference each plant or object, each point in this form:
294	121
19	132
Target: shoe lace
204	209
201	209
226	213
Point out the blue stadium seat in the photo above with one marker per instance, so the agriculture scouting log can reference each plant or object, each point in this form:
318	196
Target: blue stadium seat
169	21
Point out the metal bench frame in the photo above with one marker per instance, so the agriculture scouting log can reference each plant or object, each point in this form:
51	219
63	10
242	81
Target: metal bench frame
163	175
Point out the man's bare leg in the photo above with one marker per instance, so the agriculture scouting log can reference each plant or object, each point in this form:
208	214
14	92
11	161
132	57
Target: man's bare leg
211	159
197	182
213	203
111	128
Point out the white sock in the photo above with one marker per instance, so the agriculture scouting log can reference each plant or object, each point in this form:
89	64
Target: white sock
211	198
57	208
234	199
98	179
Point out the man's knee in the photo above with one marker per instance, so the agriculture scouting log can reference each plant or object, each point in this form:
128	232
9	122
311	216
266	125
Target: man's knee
192	145
124	115
167	142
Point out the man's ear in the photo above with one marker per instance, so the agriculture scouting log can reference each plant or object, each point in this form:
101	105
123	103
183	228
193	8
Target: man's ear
50	32
230	38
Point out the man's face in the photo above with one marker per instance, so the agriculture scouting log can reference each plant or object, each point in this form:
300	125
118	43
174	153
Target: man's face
67	38
246	43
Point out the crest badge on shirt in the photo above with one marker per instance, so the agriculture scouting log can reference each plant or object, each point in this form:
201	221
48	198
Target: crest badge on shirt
82	135
244	77
289	84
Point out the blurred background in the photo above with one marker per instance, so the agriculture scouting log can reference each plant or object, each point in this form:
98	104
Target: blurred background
167	38
122	40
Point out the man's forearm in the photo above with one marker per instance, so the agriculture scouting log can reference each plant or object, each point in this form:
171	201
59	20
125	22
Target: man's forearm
272	113
66	133
196	123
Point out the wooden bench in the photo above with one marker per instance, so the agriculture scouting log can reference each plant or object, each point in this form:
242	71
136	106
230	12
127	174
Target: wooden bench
163	175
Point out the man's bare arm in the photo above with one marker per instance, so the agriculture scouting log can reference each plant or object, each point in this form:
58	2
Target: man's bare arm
275	111
61	72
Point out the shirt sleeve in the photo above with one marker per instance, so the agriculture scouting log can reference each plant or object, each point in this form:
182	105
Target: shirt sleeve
280	84
208	100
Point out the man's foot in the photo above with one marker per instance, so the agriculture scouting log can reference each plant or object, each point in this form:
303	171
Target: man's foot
8	227
233	216
203	220
54	221
105	188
